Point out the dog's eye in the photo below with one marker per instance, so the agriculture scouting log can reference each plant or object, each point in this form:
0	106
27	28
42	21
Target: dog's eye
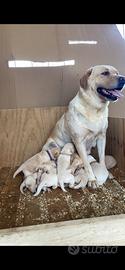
105	73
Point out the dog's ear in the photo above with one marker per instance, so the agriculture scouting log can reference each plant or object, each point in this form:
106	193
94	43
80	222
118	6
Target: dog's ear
84	79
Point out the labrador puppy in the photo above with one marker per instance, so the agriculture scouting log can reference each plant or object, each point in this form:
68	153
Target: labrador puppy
77	163
48	178
86	120
32	181
48	153
110	162
63	165
47	181
99	170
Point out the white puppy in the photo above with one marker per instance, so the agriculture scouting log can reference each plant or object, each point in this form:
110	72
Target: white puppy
63	165
51	152
50	179
47	181
77	163
81	179
110	162
99	170
30	182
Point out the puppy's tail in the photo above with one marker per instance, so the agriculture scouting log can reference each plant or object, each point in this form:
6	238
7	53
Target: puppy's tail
110	162
39	189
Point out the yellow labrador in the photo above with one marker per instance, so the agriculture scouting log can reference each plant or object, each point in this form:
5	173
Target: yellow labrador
86	120
63	166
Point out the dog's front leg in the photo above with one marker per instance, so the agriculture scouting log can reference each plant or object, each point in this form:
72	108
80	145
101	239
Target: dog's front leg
101	144
81	148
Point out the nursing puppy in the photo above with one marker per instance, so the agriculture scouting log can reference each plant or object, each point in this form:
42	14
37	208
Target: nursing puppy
47	181
63	164
62	175
77	163
48	178
99	170
32	181
110	162
86	120
50	152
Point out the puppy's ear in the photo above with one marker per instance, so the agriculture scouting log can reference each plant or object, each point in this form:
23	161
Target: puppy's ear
84	79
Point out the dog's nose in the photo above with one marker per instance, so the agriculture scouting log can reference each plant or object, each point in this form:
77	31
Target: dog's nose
121	81
121	78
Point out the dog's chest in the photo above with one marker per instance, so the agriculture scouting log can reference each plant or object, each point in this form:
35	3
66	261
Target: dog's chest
94	125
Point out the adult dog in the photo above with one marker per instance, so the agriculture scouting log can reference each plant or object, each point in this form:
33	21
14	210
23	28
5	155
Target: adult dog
86	120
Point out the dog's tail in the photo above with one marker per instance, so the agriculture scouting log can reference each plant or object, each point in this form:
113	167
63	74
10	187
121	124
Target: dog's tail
18	170
110	162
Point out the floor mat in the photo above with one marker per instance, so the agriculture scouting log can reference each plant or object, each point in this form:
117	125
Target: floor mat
19	210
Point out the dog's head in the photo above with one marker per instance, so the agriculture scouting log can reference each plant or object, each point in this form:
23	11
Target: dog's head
68	149
105	81
30	183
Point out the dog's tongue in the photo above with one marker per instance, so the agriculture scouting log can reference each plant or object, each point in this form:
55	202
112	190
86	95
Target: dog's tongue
116	93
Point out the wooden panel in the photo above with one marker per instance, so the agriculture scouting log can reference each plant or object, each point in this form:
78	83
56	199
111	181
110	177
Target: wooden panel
24	131
116	140
99	231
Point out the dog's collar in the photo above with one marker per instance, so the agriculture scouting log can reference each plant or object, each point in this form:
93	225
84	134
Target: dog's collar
51	158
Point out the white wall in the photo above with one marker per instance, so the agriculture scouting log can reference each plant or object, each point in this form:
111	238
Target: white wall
55	86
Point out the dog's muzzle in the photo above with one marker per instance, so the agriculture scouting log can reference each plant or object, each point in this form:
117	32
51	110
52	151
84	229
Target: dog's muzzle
121	82
113	94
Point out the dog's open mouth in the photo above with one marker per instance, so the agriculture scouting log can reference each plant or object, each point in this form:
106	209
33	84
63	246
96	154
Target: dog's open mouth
110	94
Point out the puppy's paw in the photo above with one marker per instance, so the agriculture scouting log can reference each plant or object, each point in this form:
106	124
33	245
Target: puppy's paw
111	176
48	190
77	186
64	190
71	186
54	187
93	184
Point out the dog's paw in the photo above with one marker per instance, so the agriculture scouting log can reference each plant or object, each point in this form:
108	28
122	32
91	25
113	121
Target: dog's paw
92	184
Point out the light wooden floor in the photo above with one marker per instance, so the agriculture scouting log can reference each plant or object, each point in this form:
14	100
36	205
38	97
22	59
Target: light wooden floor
101	231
